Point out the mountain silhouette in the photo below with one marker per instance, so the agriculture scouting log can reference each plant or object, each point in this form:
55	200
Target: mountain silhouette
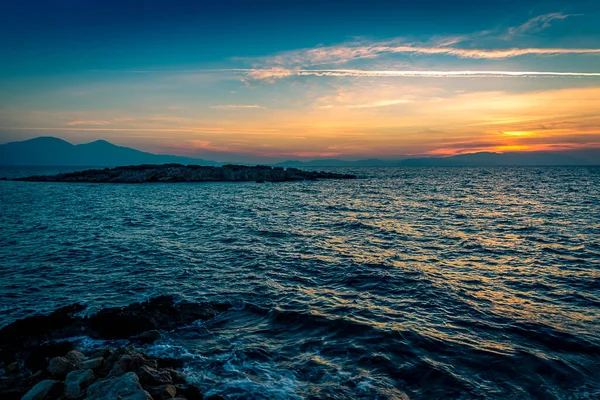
51	151
581	157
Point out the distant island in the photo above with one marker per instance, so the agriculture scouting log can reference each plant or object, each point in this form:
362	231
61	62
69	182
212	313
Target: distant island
51	151
189	173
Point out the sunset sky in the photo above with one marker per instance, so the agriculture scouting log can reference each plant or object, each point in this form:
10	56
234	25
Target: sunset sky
275	80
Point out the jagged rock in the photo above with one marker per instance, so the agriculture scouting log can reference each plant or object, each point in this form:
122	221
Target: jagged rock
162	392
189	392
160	312
152	376
148	336
59	367
190	173
76	357
126	386
93	363
77	381
45	390
26	335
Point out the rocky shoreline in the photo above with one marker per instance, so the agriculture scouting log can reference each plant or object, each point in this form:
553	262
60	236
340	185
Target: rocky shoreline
189	173
38	359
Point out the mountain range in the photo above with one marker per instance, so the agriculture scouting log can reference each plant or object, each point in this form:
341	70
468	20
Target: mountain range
51	151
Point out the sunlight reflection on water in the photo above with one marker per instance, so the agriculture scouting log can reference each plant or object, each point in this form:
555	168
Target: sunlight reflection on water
430	281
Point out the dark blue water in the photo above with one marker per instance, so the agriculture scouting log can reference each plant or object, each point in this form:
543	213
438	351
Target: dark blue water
415	282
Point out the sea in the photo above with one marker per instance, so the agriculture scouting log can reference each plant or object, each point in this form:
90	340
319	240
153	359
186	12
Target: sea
406	283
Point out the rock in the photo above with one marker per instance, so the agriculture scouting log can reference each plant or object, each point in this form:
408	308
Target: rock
151	363
93	363
32	331
139	395
148	336
77	381
176	376
38	357
76	357
214	397
170	362
123	365
162	392
34	379
163	312
14	393
189	392
126	386
13	368
102	353
151	376
44	390
26	335
59	367
190	173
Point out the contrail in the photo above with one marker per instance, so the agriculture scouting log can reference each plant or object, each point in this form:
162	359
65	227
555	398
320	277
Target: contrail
274	73
278	73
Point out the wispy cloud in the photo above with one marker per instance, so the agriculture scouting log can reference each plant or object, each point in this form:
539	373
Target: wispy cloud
77	123
381	103
539	23
345	53
467	46
236	106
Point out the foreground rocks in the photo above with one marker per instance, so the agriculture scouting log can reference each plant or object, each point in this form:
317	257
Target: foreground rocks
37	363
190	173
129	375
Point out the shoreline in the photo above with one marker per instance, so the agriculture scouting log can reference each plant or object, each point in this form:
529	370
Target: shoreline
39	360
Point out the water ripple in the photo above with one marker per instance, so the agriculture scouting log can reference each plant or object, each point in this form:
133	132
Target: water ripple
409	283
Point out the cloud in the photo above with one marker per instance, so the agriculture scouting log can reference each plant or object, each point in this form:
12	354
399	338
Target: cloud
236	107
467	46
539	23
343	54
257	73
382	103
77	123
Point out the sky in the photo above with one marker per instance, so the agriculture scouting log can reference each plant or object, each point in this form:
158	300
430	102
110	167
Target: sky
271	80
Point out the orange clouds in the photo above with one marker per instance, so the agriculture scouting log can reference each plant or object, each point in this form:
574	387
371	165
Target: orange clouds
376	118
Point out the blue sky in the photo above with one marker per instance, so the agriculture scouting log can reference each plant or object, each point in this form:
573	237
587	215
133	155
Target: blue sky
277	80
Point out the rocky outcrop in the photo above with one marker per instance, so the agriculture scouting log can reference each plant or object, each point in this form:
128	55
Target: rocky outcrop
189	173
125	373
38	336
35	355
